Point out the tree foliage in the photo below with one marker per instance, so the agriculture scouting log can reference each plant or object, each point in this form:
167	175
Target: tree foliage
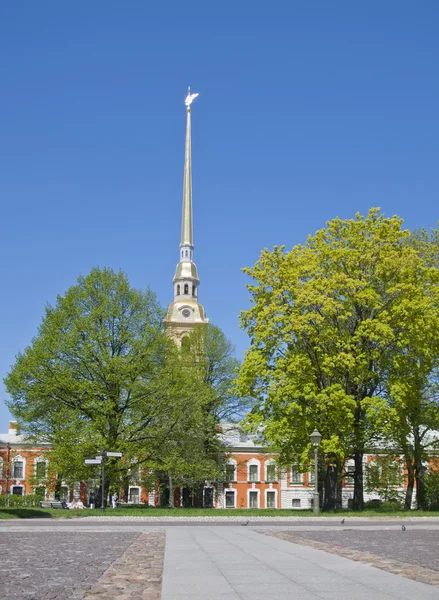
101	374
331	328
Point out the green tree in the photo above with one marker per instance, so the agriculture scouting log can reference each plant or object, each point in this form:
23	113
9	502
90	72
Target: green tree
91	377
329	322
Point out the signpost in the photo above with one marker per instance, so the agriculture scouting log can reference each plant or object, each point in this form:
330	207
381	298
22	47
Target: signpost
100	460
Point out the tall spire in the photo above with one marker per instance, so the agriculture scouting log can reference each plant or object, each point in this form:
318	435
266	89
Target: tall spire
186	216
186	312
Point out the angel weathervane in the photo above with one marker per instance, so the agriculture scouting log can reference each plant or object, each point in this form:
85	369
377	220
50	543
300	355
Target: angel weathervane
190	97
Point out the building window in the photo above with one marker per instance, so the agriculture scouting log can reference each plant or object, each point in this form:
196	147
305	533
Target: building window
178	290
271	474
134	495
271	500
253	500
296	502
17	490
64	493
40	469
186	288
186	254
1	468
229	473
208	497
350	470
18	470
193	290
253	473
230	499
296	475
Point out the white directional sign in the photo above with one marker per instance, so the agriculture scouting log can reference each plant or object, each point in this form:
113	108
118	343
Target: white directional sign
92	461
116	454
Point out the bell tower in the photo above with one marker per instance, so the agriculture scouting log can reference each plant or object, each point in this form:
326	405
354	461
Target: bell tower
185	312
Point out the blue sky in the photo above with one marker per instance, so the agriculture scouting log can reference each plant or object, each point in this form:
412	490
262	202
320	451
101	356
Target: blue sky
307	111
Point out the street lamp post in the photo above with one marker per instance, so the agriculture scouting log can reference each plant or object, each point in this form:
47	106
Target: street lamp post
316	438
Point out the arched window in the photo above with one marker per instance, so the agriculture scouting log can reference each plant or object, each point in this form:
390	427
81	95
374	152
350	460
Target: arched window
193	290
186	254
186	288
178	290
185	344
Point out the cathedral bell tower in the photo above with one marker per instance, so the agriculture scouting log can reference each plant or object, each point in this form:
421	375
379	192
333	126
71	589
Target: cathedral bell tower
185	312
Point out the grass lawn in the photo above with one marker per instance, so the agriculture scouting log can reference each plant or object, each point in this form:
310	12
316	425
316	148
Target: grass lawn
41	513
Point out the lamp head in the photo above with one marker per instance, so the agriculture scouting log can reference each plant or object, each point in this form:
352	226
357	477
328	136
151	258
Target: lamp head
316	438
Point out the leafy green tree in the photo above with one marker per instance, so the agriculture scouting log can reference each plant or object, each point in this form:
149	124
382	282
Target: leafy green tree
329	324
91	377
214	356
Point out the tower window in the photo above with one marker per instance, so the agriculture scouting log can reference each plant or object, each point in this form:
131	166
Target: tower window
186	288
186	254
178	290
193	290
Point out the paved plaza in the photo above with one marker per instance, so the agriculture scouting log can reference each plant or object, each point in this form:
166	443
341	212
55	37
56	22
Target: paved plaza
133	559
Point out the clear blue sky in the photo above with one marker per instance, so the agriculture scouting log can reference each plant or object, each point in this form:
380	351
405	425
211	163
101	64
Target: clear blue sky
307	111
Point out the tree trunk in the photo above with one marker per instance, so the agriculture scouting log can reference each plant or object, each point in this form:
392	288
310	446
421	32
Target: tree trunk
410	485
420	485
358	501
330	488
171	491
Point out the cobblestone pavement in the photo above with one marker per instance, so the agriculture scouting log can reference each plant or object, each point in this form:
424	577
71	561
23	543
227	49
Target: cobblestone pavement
65	565
411	553
137	574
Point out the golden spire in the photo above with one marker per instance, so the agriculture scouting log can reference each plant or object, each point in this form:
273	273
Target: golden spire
187	238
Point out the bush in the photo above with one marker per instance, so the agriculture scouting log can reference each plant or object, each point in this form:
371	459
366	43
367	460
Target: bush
20	501
390	506
374	504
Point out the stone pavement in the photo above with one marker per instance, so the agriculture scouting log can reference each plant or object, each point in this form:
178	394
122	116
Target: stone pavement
78	560
411	553
240	563
69	565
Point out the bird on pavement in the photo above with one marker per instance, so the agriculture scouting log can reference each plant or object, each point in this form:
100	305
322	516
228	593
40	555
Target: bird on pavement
403	528
342	522
246	523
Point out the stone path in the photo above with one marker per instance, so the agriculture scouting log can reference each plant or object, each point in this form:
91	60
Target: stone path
83	561
411	553
240	563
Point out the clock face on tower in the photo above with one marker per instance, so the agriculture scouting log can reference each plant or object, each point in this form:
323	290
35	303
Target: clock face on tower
186	313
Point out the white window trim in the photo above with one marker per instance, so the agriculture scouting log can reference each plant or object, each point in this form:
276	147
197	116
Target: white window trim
134	487
232	461
253	491
349	463
1	468
41	459
19	458
272	490
269	462
252	462
234	497
17	485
